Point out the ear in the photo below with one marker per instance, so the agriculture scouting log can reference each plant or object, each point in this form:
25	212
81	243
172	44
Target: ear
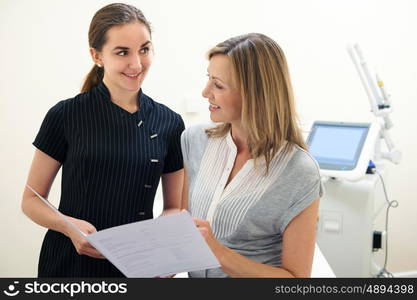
96	56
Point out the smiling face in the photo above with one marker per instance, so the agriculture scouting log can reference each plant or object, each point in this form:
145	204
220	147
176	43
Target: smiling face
225	101
126	57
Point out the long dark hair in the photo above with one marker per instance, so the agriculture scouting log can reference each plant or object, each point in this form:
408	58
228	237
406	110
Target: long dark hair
107	17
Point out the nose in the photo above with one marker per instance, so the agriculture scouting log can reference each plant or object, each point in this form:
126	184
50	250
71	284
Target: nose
206	91
135	63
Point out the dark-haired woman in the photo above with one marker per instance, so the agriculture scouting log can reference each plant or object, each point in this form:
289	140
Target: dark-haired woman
114	143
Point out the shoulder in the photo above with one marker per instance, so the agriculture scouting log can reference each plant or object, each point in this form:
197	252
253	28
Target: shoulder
300	173
303	164
162	110
71	104
196	134
297	186
193	144
59	108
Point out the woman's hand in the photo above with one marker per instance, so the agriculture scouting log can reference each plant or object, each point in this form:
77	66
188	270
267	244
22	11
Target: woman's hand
82	246
206	231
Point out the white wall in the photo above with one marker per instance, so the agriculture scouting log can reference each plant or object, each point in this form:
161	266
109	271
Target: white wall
44	57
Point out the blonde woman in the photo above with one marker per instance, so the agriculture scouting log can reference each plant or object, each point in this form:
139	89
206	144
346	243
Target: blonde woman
250	184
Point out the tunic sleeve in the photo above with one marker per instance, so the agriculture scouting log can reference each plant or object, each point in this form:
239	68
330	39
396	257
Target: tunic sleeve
173	160
184	147
307	187
51	136
304	200
193	144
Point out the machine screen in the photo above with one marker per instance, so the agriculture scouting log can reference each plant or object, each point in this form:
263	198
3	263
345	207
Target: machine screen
337	146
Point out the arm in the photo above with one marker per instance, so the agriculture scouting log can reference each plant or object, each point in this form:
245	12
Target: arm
41	176
184	200
171	190
297	250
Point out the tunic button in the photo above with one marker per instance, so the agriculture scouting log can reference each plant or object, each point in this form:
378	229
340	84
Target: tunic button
154	160
140	123
141	213
148	186
154	135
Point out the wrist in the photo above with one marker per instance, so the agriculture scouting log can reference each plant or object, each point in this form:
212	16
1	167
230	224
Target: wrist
220	251
62	226
169	211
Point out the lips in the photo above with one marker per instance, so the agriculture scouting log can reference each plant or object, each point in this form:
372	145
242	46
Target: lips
213	107
132	75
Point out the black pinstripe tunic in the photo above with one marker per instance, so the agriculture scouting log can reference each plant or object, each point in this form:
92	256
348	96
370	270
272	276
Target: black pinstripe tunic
112	161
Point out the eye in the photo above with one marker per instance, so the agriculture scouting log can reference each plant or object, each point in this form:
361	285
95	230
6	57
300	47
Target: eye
218	86
144	50
122	53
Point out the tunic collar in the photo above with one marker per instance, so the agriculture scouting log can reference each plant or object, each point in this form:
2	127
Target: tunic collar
142	101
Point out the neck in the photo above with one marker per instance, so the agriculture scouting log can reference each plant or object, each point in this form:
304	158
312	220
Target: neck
125	99
239	137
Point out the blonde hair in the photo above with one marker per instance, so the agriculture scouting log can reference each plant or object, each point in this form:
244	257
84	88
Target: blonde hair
268	109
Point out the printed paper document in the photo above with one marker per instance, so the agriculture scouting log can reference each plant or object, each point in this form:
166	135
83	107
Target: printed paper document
159	247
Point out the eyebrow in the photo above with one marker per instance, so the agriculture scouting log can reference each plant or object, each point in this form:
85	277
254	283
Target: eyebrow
127	48
214	77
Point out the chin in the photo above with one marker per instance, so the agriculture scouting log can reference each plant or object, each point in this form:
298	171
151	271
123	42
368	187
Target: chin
132	87
216	120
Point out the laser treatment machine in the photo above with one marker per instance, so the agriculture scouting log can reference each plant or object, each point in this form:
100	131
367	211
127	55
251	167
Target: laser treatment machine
353	217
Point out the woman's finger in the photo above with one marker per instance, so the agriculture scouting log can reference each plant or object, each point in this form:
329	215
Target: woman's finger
94	253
